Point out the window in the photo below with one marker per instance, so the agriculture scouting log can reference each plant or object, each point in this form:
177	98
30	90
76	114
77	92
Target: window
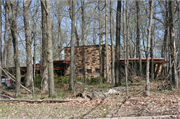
81	71
97	71
89	71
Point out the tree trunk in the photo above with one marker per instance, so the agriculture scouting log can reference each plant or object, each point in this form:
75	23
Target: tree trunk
125	44
4	58
83	40
0	50
118	28
35	38
29	75
72	72
15	45
179	41
173	44
148	49
138	46
44	66
106	43
112	44
9	47
100	40
50	52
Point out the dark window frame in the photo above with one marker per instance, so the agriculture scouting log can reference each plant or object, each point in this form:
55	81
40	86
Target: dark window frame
97	71
81	71
89	71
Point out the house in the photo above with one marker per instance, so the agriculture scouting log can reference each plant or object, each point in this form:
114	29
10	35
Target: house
92	61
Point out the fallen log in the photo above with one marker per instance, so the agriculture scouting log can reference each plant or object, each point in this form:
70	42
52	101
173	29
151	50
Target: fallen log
44	100
6	96
14	79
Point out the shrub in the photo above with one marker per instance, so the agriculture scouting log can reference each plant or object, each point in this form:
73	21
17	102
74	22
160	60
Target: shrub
38	81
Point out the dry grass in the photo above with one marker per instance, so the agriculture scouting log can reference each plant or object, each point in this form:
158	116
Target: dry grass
115	105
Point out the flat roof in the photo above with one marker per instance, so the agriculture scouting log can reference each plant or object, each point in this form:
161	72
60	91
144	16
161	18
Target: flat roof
157	60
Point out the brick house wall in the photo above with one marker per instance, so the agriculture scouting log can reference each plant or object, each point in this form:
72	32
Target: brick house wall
92	61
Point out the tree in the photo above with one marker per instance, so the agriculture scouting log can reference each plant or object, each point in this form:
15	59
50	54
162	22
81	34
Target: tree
83	40
26	4
47	35
106	43
100	40
13	23
35	39
0	49
148	48
50	53
44	81
138	46
173	44
112	44
71	84
125	42
118	28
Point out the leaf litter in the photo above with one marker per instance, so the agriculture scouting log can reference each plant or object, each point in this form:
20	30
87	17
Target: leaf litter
114	105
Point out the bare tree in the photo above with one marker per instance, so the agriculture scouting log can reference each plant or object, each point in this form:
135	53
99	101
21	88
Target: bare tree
138	46
35	39
13	22
26	4
71	84
148	49
125	43
100	40
173	44
179	40
50	52
106	43
44	66
0	49
118	28
112	44
83	40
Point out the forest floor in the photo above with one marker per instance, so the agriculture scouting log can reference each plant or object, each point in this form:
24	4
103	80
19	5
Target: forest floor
162	101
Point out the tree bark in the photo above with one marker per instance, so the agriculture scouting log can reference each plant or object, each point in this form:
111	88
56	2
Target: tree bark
50	52
173	44
125	43
106	43
112	44
29	75
138	47
148	48
0	50
83	40
13	22
179	40
35	39
100	40
44	66
71	84
118	28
